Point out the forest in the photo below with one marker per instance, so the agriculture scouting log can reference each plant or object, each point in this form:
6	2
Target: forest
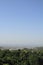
21	57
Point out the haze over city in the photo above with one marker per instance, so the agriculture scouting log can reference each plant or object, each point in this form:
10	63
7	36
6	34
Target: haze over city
21	23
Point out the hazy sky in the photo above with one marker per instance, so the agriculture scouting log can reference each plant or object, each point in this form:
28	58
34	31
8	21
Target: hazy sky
21	22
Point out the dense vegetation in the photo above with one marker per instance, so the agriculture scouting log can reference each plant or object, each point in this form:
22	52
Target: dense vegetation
21	57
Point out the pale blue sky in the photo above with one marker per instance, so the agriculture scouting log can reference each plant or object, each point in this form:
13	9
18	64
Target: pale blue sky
21	22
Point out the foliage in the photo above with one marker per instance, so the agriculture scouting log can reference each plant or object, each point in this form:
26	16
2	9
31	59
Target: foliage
21	57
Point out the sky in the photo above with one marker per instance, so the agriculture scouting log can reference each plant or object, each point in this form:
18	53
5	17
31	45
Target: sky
21	23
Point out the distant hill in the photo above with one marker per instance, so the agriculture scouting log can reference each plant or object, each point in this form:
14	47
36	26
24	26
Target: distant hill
39	48
15	48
